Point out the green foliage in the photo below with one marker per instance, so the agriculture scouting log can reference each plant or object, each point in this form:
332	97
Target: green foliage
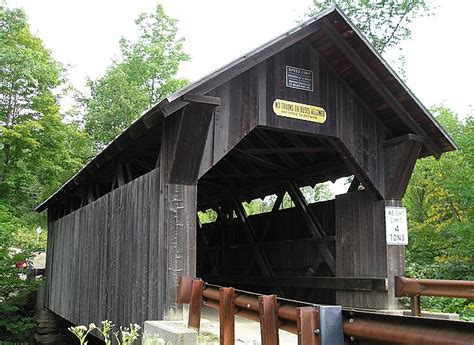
38	151
15	291
124	336
385	23
440	207
207	216
461	306
144	75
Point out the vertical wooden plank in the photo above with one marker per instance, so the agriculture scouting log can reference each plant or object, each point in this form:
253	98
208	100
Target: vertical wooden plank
156	259
208	154
78	224
133	250
181	237
49	259
111	262
262	93
221	123
140	233
116	302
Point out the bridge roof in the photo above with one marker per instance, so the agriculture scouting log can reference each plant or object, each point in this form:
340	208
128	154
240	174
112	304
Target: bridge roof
348	52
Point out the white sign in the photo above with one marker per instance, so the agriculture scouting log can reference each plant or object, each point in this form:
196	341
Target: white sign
396	225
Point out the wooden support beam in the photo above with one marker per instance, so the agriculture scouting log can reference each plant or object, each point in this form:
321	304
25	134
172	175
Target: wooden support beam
298	142
263	234
120	174
128	171
300	203
404	169
404	138
227	161
275	208
261	161
221	215
378	85
333	283
320	170
251	235
137	129
313	270
356	170
354	185
278	150
90	192
314	225
195	98
295	242
268	140
189	143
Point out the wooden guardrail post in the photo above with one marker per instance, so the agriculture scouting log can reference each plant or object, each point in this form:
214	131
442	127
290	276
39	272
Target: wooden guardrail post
415	304
195	304
226	316
414	288
308	326
268	319
327	325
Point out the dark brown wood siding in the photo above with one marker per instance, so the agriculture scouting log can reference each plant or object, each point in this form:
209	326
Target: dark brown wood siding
105	260
348	117
361	250
247	102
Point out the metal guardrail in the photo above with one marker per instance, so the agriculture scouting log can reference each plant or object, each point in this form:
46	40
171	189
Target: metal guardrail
414	288
307	320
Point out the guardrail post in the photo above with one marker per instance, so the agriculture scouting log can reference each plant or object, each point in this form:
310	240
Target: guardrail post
268	319
415	305
308	326
184	289
195	304
226	316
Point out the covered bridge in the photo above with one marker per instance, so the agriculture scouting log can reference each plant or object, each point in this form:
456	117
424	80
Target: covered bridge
313	105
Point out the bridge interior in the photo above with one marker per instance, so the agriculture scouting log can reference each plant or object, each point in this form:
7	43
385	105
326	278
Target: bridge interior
290	237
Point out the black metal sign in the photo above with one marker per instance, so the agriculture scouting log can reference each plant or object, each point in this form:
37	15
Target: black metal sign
299	78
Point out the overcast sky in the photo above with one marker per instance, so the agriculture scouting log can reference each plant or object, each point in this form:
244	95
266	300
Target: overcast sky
85	35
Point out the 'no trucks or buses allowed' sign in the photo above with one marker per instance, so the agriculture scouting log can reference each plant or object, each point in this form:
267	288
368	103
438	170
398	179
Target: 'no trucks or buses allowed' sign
396	225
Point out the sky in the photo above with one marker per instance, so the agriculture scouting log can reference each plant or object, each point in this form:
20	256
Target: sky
84	35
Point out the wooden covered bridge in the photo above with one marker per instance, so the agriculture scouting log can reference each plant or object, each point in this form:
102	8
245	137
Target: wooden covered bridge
315	104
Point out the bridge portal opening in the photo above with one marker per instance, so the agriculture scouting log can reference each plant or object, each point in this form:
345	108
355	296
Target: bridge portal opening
266	220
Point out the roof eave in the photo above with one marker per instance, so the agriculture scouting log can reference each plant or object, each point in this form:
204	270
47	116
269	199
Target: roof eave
398	79
149	119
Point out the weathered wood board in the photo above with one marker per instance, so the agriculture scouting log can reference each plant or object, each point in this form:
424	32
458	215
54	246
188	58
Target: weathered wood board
106	261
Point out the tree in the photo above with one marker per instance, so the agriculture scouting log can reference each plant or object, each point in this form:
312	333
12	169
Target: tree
440	203
385	23
38	151
27	76
144	75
